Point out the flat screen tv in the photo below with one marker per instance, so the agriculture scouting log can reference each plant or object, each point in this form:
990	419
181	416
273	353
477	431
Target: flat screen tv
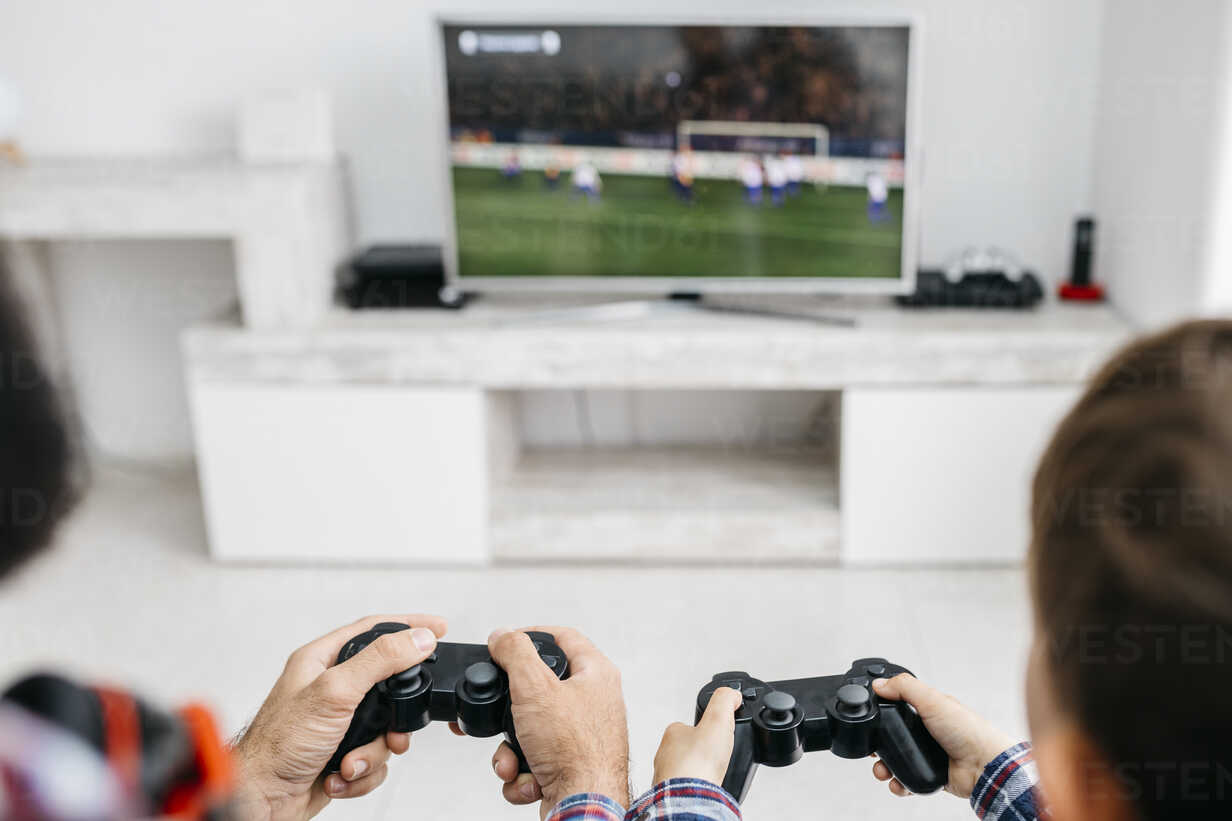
661	158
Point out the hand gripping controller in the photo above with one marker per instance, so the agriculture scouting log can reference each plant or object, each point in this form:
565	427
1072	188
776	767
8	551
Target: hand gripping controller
458	682
780	721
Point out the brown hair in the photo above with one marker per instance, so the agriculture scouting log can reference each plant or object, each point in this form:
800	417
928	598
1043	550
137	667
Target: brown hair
1131	569
37	486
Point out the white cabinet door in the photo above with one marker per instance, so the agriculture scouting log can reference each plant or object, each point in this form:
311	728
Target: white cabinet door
942	475
342	473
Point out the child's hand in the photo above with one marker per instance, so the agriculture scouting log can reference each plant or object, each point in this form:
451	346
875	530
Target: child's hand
971	742
703	751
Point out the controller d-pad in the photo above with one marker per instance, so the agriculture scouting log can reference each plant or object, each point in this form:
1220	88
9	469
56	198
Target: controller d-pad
751	693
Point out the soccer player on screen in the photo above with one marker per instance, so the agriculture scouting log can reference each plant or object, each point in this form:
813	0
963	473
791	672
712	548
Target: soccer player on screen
751	178
682	175
586	181
512	168
795	174
878	198
551	175
776	178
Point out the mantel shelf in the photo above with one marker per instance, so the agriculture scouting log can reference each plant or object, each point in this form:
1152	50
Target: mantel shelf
288	222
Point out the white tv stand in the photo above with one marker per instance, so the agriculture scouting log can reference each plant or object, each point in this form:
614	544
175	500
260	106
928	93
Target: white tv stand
392	436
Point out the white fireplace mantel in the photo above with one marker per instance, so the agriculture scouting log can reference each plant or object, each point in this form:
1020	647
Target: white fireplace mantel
288	221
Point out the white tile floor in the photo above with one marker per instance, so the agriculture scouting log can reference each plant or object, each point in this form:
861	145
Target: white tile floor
130	595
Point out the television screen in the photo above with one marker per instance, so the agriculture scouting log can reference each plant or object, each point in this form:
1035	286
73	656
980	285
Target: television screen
652	152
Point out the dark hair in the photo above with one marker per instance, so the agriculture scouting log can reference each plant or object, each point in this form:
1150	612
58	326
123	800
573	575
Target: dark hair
1131	569
36	454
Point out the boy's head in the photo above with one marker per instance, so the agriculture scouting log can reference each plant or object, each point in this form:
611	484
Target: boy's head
1131	580
35	450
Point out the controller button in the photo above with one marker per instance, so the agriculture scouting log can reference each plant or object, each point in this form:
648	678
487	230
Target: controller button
860	681
407	681
751	693
780	709
853	700
736	685
431	659
482	679
875	670
550	661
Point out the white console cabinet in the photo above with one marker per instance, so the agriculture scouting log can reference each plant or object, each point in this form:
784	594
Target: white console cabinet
393	436
312	472
942	474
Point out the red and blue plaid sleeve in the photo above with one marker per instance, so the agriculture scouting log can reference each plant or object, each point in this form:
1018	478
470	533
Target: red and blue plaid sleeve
588	806
685	799
1006	789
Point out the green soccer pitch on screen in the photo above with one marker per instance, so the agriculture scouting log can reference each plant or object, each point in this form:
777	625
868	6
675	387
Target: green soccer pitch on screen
645	153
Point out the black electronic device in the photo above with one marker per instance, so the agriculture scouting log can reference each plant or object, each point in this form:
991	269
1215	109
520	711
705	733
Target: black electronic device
780	721
976	277
458	682
398	276
976	289
1081	286
1084	250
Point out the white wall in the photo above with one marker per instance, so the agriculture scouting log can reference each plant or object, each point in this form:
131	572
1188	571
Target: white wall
1163	183
1215	292
1008	122
122	305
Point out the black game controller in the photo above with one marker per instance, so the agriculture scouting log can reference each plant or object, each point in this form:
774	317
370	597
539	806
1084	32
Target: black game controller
458	682
780	721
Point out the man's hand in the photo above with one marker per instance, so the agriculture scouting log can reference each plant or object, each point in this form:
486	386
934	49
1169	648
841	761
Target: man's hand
970	741
574	733
703	751
301	724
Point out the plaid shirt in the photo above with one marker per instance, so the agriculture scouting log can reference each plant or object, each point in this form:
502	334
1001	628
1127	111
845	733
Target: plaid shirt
677	799
1006	789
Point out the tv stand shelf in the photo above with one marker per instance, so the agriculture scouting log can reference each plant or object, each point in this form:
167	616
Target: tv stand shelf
395	436
499	344
659	503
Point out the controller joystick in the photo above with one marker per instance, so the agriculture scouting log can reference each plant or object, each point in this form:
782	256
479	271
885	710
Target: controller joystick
458	683
782	720
406	682
482	680
779	709
853	700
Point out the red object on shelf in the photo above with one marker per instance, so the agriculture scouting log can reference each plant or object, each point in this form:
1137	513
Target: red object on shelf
1081	293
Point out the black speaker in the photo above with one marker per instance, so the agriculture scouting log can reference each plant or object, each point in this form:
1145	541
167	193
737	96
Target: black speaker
398	276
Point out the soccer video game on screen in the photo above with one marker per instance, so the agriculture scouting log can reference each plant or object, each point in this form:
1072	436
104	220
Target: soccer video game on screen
676	151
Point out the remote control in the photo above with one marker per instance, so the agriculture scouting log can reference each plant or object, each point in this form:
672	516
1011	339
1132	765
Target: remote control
780	721
458	682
